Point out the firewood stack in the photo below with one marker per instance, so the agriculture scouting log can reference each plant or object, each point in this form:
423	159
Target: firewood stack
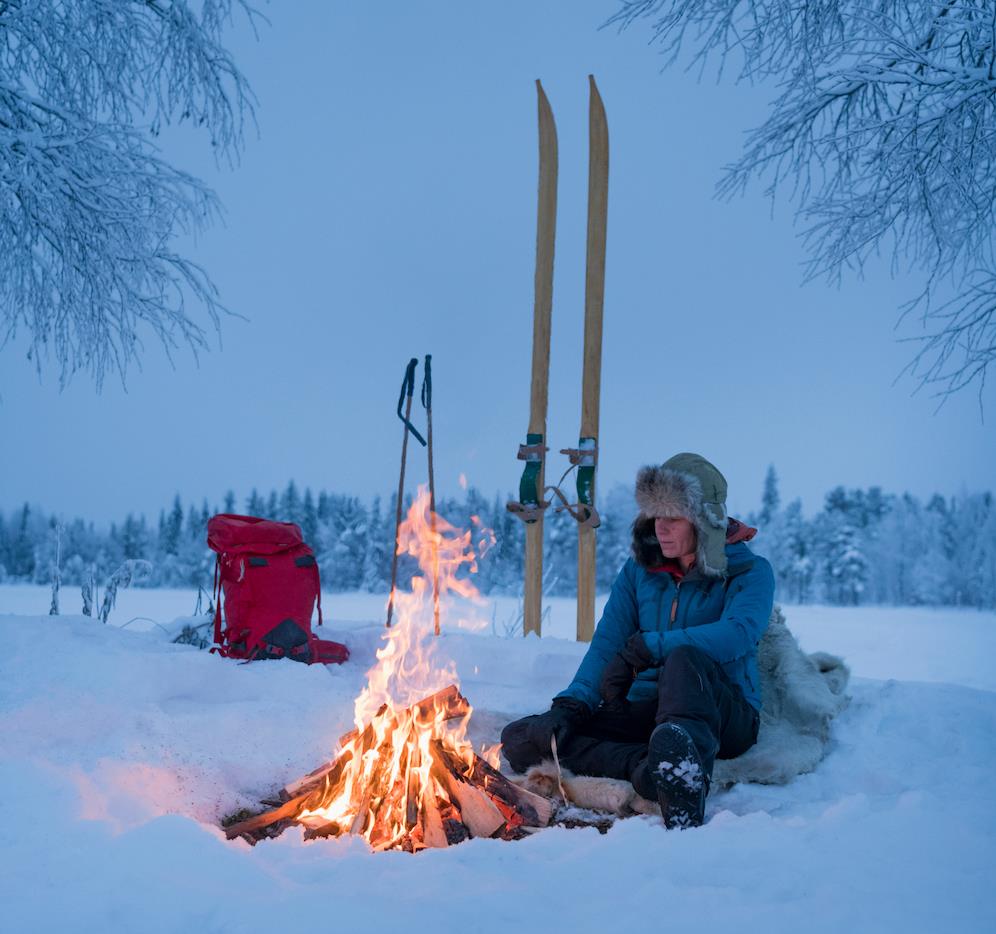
463	797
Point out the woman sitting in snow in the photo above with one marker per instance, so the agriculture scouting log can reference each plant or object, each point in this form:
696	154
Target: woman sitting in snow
670	681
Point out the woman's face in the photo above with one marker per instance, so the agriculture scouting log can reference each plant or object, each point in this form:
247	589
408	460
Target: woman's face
675	536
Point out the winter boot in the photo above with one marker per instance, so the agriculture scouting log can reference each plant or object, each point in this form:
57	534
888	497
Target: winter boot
676	769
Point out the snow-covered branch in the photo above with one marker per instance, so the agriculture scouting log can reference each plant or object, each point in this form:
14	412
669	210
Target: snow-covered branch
884	131
88	209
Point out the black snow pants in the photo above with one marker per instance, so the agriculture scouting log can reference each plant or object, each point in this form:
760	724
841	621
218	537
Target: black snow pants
692	691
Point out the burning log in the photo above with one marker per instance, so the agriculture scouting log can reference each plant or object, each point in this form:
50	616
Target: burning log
309	792
449	700
459	800
456	831
535	810
320	833
248	828
431	822
477	810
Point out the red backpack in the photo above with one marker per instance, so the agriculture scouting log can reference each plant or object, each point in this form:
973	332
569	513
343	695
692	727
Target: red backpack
269	579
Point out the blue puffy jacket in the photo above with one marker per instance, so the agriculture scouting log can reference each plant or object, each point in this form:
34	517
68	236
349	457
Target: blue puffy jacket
724	617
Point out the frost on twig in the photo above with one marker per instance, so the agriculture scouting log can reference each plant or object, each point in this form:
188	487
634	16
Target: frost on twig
56	569
88	591
198	635
133	571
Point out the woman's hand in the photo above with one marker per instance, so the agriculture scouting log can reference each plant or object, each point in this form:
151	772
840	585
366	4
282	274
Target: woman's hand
622	669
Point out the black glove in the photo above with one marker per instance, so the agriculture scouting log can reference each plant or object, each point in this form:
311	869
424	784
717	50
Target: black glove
622	669
563	718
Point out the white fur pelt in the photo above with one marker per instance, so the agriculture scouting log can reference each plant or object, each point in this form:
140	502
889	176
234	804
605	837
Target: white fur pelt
586	791
800	694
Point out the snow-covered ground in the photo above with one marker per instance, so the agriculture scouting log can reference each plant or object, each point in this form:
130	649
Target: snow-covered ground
120	751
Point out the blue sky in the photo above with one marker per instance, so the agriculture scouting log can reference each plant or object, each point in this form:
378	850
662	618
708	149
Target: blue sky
387	210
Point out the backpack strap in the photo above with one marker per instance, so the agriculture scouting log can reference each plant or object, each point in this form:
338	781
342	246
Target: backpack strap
217	600
318	588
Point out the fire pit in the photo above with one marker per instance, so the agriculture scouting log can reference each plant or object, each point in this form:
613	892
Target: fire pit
407	777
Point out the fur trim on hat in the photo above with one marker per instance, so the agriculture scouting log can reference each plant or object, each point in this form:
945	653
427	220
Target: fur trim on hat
672	494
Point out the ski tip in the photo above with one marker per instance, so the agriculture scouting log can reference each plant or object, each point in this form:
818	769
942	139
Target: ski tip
544	101
596	98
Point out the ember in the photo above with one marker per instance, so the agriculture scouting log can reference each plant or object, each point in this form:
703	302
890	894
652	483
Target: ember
407	777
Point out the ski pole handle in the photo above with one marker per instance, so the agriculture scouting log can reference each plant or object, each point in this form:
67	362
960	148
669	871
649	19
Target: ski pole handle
407	391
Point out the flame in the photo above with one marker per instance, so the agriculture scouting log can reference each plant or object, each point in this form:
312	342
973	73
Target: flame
389	790
491	754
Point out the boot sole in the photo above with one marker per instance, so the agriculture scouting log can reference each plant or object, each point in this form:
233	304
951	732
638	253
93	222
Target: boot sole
674	764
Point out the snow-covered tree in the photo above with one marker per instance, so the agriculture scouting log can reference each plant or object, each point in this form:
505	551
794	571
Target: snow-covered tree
22	551
89	209
614	537
787	542
560	552
134	537
770	500
342	544
254	505
194	524
169	542
882	129
309	517
380	539
504	559
290	504
845	566
972	553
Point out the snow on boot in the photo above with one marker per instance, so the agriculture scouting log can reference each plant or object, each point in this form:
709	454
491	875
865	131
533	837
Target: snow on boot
682	785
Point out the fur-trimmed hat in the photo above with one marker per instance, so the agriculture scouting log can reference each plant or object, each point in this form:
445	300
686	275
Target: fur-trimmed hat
685	486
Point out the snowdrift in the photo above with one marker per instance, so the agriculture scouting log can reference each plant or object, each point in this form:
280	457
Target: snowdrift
121	752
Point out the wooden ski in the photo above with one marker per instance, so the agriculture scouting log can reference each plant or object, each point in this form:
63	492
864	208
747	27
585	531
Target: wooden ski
532	482
587	453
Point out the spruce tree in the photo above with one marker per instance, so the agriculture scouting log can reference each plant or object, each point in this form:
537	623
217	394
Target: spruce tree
4	550
846	567
770	500
290	504
309	518
170	543
22	552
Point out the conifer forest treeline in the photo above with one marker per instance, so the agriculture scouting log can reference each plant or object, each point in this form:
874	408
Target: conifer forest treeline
862	547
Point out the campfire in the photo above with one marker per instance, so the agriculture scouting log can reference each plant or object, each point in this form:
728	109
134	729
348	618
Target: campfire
407	777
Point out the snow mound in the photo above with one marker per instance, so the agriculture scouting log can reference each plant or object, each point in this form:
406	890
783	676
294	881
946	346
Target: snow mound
120	751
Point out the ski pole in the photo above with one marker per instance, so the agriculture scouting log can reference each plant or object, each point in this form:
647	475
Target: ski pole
427	404
405	400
